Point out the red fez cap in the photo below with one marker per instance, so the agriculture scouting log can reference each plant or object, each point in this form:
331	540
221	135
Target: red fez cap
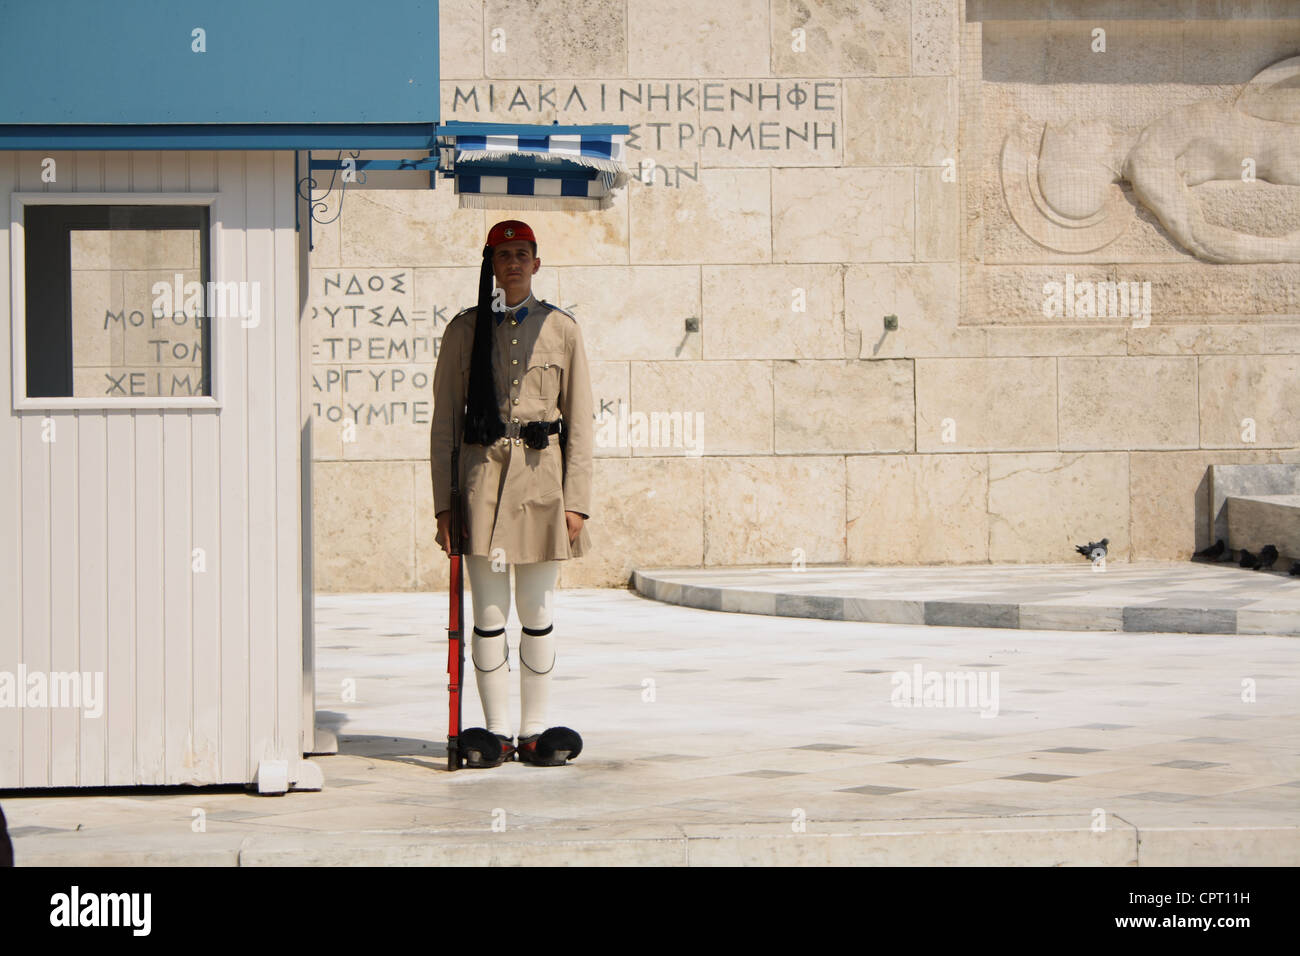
508	231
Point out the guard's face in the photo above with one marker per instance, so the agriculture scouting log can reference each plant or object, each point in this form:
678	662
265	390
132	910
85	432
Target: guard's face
514	267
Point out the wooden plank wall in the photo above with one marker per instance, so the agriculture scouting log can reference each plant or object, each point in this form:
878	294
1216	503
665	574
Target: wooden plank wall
104	514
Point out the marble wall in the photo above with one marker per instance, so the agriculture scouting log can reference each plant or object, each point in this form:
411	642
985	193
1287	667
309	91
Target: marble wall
842	313
137	303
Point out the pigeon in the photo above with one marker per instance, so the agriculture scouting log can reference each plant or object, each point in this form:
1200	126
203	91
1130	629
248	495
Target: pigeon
1248	560
1211	552
1093	550
1266	558
1295	568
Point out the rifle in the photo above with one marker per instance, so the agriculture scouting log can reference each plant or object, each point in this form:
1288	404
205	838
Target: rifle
455	618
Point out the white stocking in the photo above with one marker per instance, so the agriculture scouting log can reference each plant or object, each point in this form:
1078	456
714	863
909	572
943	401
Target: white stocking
534	592
490	591
536	662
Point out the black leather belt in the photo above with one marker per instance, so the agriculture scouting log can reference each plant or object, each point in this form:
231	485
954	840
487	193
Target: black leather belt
535	434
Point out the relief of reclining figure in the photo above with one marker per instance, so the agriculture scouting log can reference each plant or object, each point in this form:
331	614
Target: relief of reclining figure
1066	197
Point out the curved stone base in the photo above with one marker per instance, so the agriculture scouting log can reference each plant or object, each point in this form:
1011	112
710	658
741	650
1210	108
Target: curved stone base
1185	597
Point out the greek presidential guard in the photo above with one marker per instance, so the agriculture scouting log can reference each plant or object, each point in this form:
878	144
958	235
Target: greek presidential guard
512	381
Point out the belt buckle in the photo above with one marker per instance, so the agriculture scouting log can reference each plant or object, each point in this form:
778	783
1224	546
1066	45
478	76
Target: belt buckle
512	429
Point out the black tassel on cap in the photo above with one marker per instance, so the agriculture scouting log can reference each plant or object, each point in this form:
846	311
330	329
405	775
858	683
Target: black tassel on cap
483	424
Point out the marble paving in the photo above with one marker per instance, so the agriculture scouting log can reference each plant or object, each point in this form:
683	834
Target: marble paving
716	738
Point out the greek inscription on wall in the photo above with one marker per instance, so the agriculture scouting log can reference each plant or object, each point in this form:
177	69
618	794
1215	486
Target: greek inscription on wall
372	350
677	126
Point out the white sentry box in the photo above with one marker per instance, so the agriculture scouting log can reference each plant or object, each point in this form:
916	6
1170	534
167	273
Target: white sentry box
155	546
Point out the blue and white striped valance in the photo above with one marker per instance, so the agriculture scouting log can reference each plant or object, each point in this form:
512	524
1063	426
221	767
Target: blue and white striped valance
507	166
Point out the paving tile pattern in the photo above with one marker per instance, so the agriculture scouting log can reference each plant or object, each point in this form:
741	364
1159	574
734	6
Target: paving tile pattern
714	737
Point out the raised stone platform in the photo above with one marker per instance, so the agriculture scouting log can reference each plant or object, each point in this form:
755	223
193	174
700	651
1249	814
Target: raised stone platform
1257	482
1182	597
1257	520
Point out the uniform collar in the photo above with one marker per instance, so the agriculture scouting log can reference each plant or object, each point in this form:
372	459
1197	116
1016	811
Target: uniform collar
522	310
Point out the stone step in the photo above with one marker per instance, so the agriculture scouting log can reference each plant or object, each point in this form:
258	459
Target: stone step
1243	481
1186	597
1258	520
1026	840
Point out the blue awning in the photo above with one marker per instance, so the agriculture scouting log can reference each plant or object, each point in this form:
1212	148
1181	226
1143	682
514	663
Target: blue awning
518	166
193	75
201	72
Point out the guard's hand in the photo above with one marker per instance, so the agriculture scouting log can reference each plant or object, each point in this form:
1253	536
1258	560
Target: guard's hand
444	531
575	521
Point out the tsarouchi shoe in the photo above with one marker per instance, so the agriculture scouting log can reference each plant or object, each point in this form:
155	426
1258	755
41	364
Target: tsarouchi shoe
481	748
551	748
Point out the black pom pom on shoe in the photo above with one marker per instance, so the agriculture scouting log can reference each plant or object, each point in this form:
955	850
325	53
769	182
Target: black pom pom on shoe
480	748
559	744
551	748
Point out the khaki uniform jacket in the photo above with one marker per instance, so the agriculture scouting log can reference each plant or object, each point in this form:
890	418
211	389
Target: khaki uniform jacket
514	496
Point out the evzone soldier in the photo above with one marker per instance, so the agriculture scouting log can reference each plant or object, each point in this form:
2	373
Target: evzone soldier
515	387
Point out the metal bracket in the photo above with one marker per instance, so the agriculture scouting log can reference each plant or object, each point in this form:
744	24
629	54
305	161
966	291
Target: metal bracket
354	164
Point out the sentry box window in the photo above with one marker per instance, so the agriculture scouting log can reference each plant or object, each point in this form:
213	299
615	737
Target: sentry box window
116	301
